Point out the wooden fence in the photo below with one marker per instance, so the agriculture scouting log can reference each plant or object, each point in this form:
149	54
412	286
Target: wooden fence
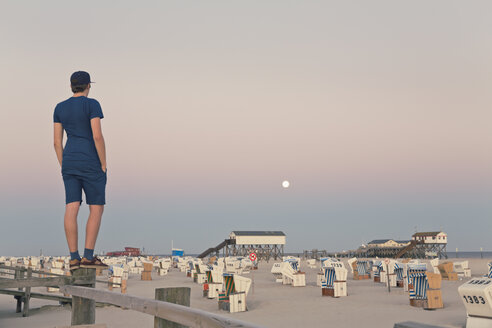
84	298
173	312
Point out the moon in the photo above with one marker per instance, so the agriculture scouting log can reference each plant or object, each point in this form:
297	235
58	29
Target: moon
286	184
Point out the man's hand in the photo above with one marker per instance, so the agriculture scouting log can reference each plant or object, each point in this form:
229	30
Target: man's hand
104	168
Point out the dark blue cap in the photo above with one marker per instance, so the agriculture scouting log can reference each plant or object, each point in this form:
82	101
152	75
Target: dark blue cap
80	78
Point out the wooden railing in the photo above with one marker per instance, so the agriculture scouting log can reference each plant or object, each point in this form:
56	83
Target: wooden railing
173	312
84	298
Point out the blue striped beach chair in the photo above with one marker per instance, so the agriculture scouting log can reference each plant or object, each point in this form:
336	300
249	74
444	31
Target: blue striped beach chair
362	268
490	270
293	263
420	285
414	269
398	269
329	277
378	265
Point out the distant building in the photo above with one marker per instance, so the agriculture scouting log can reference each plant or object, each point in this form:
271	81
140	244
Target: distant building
129	251
435	237
388	243
258	237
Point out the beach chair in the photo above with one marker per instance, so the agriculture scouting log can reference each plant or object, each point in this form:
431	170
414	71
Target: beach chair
311	263
435	263
163	267
236	288
277	271
233	265
199	276
489	273
462	269
398	269
213	286
291	274
412	268
417	288
334	281
377	268
118	277
447	271
363	271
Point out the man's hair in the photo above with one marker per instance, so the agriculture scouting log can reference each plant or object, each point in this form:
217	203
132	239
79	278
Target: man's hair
79	88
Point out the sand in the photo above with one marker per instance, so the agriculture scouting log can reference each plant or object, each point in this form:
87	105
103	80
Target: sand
270	304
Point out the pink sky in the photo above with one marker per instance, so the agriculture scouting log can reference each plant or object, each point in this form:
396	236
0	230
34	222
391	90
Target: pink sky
225	101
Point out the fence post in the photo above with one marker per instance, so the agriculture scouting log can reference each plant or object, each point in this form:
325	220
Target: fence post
83	309
27	295
176	295
19	274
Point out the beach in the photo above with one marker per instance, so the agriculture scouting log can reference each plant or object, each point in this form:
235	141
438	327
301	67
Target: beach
269	304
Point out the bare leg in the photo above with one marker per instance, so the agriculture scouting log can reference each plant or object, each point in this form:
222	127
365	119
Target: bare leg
93	224
70	221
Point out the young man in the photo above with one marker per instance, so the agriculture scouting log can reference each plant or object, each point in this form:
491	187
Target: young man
83	163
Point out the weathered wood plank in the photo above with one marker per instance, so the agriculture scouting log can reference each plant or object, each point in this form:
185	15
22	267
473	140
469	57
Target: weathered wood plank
19	275
51	297
175	295
27	295
172	312
46	282
84	309
412	324
98	325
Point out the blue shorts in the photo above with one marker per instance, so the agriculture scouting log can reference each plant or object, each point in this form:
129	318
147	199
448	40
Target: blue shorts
91	178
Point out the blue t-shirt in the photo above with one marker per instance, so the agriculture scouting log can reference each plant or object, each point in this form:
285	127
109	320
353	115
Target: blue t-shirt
75	115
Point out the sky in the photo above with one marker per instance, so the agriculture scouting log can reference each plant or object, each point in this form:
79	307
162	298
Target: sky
377	112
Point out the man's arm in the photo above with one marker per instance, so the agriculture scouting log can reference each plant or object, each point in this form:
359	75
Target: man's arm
99	141
58	141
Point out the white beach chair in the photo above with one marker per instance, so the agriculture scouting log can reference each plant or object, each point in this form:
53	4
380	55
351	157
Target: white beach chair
292	276
435	263
277	271
311	263
462	269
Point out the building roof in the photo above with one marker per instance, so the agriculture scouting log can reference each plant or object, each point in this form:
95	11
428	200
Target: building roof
382	241
425	234
258	233
379	241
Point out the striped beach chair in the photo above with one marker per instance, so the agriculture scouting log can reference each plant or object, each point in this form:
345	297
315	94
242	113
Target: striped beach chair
293	263
398	269
209	276
419	286
362	268
378	267
233	299
489	274
413	268
329	277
